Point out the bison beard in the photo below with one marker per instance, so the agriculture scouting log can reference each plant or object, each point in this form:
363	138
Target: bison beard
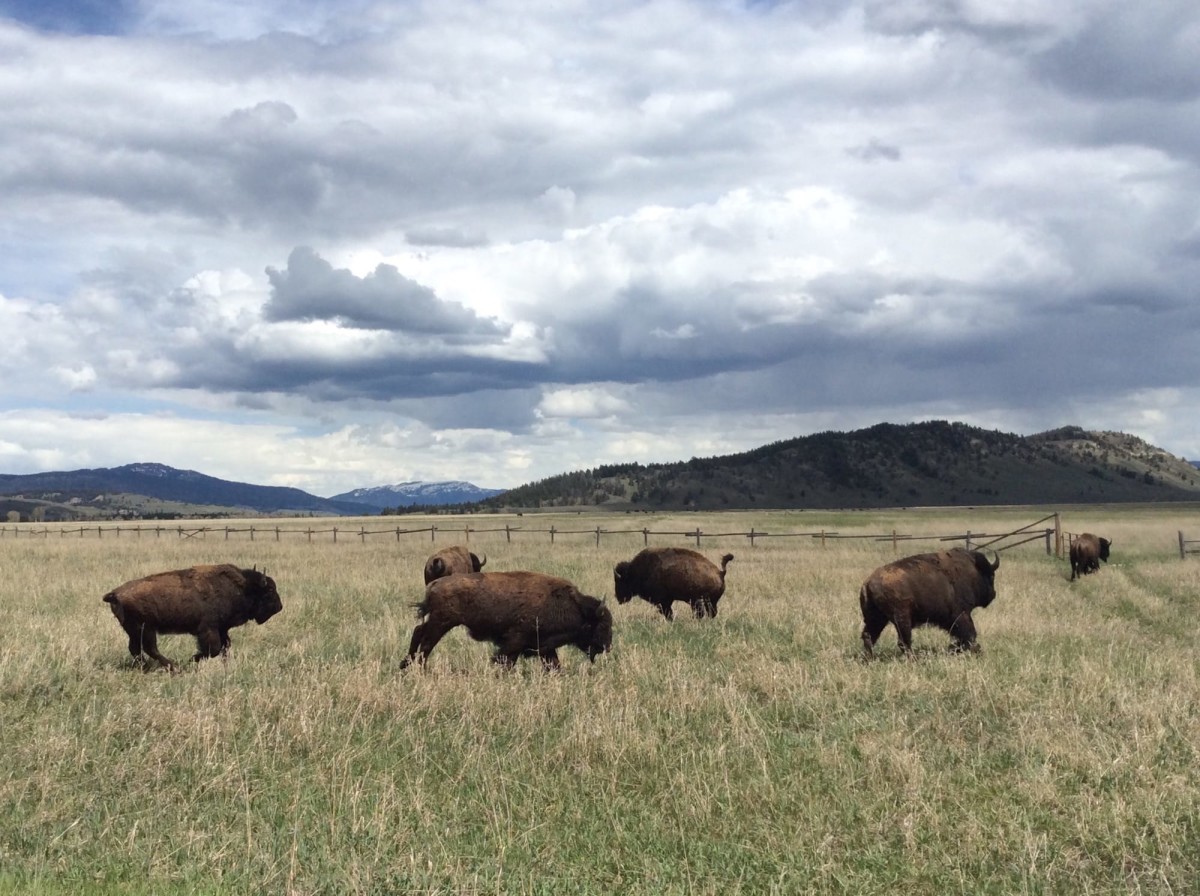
521	613
927	589
202	601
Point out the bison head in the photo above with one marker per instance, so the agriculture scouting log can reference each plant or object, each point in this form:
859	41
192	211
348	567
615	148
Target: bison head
1105	544
264	597
621	584
987	577
598	638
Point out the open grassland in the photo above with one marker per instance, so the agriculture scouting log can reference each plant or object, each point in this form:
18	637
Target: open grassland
754	753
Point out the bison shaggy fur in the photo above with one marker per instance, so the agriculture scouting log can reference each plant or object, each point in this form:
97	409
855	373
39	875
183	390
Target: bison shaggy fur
928	589
521	613
203	601
451	561
1087	550
664	575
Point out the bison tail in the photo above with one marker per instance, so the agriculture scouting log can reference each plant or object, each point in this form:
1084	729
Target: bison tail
110	598
422	609
725	562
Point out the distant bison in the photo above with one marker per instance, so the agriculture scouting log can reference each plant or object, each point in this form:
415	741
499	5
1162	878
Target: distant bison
450	561
928	589
1087	550
204	601
521	613
664	575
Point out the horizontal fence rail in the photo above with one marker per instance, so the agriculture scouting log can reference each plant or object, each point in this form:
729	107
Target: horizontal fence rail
1052	536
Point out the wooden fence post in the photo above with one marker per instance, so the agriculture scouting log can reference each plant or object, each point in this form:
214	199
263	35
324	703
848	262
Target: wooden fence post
894	548
277	533
335	534
433	533
1182	551
507	534
645	536
597	536
968	539
1049	532
552	534
697	536
751	536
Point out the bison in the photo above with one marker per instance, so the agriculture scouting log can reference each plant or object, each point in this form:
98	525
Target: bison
928	589
521	613
450	561
664	575
1087	550
204	601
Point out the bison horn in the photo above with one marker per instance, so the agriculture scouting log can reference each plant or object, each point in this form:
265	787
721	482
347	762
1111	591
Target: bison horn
996	565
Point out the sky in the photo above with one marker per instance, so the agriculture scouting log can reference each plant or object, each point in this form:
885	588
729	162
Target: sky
332	245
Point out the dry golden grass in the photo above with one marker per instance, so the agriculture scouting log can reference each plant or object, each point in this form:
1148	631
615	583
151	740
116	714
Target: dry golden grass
754	753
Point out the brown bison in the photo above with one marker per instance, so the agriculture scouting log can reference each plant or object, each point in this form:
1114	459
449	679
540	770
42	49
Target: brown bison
928	589
521	613
450	561
664	575
204	601
1087	550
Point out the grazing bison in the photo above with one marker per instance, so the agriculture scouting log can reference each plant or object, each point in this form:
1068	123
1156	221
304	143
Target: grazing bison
1087	550
521	613
450	561
928	589
204	601
665	575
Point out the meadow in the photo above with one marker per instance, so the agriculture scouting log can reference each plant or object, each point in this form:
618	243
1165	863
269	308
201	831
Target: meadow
754	753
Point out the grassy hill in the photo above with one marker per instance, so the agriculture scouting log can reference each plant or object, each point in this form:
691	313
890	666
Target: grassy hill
888	465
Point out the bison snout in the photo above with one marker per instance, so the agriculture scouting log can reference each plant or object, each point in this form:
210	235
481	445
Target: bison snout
267	612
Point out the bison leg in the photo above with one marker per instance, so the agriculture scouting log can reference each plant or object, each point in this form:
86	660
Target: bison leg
873	626
425	637
149	643
704	608
963	632
903	624
550	660
665	609
209	643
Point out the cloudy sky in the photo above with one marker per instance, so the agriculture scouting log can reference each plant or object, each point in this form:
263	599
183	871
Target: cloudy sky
335	244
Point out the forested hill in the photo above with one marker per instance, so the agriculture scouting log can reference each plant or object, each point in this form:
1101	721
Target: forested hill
888	465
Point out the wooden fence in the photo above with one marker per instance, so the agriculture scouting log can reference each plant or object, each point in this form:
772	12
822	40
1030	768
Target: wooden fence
971	540
1185	547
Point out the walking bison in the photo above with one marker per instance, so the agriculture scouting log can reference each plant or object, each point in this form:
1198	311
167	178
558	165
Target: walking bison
203	601
520	613
928	589
662	576
451	561
1087	550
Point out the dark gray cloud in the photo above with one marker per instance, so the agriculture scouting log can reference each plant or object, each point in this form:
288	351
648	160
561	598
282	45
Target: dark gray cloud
1126	52
310	288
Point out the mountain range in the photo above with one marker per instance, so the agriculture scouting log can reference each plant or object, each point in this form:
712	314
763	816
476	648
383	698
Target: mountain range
887	465
157	490
409	494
